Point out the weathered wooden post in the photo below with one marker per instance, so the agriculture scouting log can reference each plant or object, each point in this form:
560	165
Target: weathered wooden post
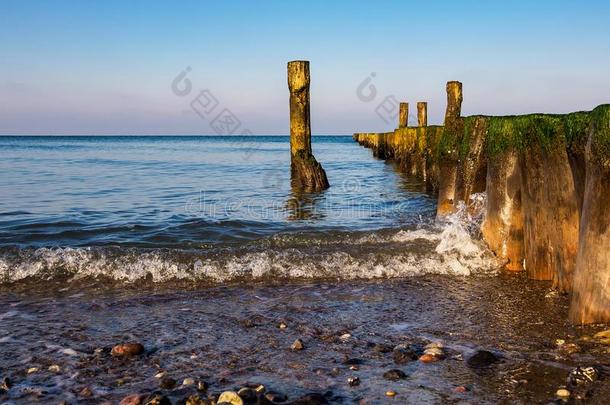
422	114
448	162
591	287
306	173
403	115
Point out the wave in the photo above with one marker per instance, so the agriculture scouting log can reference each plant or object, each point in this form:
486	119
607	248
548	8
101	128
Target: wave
451	246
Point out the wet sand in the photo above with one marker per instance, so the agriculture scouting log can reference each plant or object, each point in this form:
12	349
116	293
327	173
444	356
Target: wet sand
230	336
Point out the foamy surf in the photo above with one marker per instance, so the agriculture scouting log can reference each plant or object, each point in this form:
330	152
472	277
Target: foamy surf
450	246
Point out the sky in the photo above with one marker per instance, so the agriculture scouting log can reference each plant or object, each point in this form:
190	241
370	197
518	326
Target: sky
112	67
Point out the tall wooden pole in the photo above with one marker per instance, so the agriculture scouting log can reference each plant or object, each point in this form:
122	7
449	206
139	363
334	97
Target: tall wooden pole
306	173
422	114
403	115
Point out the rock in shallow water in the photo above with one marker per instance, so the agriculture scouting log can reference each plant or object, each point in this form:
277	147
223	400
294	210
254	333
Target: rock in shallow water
405	353
127	349
156	398
230	397
274	396
298	345
167	383
394	375
133	399
482	359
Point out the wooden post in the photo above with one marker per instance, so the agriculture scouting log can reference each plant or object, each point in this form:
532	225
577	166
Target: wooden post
422	114
448	165
403	116
306	173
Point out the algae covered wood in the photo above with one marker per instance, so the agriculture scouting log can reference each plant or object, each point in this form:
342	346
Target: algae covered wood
448	162
306	173
591	284
502	228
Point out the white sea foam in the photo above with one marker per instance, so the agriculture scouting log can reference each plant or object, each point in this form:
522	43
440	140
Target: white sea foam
450	246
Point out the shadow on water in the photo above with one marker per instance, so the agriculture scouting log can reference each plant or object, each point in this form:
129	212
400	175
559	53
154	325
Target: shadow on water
303	206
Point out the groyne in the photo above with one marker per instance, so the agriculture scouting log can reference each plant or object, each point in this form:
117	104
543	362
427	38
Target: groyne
547	180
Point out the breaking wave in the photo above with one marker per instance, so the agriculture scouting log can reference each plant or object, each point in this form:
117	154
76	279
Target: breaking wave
451	246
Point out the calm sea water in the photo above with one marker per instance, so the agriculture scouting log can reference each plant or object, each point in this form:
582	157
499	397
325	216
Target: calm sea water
203	207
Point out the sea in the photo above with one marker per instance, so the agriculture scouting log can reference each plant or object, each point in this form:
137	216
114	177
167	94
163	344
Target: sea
198	248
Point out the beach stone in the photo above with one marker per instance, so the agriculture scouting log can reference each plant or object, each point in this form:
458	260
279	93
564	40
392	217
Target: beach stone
167	383
605	334
274	396
247	394
428	358
582	376
311	399
133	399
435	351
390	393
156	398
482	359
202	386
353	361
196	400
127	349
188	381
86	392
230	397
394	375
54	368
32	370
460	390
381	347
562	393
6	384
282	325
353	381
403	354
298	345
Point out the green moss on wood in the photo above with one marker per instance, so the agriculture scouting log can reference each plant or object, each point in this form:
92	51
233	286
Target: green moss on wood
545	130
600	122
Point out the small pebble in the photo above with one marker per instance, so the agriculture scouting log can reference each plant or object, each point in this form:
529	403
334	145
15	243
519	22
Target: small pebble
559	342
230	397
167	383
160	374
86	392
6	385
274	396
460	390
54	368
283	325
156	398
562	393
354	367
353	381
345	336
247	394
394	375
133	399
188	381
202	386
428	358
32	370
127	349
298	345
390	393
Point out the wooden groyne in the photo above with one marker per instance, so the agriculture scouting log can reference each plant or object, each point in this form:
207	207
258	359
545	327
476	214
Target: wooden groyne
547	180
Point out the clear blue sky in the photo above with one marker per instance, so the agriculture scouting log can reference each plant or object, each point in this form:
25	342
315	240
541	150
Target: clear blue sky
83	67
